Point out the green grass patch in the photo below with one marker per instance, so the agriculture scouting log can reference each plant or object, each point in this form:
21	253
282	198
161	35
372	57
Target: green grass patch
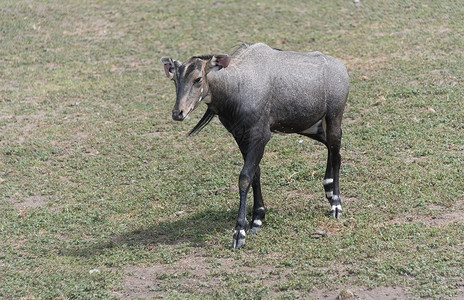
103	196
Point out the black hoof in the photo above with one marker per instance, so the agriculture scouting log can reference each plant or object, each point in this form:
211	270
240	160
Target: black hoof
254	230
238	239
336	211
255	226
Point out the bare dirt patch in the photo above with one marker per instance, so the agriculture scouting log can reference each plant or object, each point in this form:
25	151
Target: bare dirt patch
26	126
439	220
378	293
192	274
28	202
153	134
368	65
149	281
444	217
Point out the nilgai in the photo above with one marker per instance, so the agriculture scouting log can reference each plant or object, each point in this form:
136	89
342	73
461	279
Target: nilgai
258	90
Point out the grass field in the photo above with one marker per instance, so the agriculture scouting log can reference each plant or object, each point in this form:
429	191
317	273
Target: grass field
103	196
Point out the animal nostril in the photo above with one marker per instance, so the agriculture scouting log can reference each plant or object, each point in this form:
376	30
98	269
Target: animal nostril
177	114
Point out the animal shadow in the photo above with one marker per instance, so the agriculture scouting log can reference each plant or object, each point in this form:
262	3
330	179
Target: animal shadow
193	230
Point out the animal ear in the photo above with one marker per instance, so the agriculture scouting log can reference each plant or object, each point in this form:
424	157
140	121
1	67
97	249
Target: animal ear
170	65
219	61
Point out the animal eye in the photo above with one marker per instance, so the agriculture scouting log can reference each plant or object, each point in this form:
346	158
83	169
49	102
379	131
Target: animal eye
197	80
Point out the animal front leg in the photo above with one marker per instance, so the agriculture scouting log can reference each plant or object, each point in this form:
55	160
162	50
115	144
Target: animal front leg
258	205
238	239
252	153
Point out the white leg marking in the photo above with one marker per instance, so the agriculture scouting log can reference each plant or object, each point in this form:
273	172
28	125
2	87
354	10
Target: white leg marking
242	232
329	194
257	222
328	181
338	207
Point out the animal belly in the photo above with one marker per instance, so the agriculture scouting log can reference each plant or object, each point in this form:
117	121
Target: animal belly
297	128
294	119
313	129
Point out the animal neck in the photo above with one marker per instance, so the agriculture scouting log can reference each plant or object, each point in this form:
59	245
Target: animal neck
223	89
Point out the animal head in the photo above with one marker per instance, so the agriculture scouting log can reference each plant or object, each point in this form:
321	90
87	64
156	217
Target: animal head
190	79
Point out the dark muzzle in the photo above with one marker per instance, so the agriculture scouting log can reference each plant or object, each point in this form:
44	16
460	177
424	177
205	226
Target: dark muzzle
178	115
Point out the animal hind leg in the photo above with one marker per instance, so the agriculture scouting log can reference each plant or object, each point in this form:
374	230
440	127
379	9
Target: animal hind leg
328	178
318	133
331	183
336	203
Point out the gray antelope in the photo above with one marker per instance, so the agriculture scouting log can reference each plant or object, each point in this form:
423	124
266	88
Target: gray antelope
258	90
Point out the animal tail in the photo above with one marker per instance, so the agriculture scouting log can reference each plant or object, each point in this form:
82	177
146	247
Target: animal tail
207	117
